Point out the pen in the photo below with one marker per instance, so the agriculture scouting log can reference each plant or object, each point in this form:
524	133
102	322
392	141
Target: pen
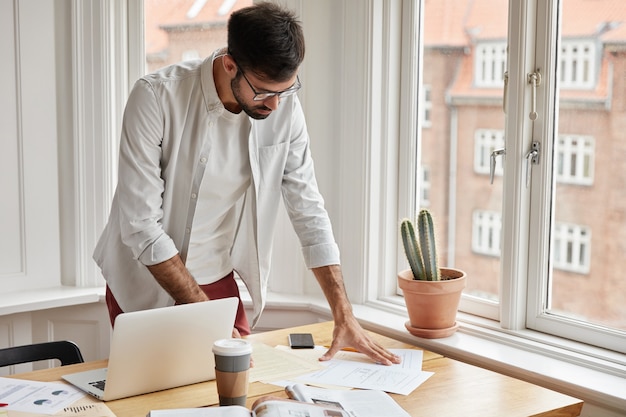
4	404
345	349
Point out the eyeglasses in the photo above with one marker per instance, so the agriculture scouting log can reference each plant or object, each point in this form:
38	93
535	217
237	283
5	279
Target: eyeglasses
262	96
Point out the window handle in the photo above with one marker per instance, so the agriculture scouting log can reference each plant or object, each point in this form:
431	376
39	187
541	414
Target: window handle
532	158
534	80
506	90
492	164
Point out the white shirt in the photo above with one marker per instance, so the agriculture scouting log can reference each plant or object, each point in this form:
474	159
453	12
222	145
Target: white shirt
226	179
164	150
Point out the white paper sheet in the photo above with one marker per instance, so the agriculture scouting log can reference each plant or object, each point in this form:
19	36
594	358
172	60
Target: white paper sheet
37	397
355	370
393	379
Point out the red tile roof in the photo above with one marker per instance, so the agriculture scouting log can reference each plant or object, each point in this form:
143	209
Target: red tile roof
169	13
484	20
444	22
458	22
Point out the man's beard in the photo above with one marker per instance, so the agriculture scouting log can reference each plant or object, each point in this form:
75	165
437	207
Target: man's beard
251	111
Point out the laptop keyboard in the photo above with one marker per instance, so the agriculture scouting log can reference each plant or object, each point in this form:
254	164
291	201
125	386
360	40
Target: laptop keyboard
98	384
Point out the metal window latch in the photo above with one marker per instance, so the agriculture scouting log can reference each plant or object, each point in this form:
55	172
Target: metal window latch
506	90
492	164
534	79
532	158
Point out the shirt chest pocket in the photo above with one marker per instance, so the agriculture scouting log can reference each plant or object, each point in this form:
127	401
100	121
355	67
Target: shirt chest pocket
272	161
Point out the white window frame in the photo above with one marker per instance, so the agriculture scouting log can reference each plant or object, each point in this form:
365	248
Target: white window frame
425	186
582	149
572	248
489	63
190	54
485	142
427	106
486	232
577	64
537	315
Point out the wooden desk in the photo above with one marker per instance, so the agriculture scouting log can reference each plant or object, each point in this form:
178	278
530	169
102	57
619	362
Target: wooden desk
456	388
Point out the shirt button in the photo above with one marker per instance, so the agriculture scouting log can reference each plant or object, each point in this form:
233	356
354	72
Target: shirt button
188	230
194	195
211	123
203	160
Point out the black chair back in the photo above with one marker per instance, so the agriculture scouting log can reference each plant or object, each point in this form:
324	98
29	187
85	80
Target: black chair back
65	351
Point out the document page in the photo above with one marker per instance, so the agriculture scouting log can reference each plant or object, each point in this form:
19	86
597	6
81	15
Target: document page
355	370
272	364
298	409
36	397
361	403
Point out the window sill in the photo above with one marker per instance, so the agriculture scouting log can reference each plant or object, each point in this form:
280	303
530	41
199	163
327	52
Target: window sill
41	299
529	356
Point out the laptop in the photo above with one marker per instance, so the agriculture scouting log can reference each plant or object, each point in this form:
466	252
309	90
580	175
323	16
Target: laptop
161	348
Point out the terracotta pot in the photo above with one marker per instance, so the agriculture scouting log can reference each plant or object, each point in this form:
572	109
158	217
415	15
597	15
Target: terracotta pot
432	305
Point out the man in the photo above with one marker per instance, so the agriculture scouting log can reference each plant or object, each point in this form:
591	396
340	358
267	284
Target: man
207	150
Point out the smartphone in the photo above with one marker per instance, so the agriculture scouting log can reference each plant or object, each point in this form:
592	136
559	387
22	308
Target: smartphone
301	341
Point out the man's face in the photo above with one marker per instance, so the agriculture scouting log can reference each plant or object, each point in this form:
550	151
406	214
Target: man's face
244	92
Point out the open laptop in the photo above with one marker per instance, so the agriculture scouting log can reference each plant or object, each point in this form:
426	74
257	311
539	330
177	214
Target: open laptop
161	348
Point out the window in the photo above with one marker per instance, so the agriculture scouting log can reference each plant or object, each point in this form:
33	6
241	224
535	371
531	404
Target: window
577	64
574	164
486	232
190	54
572	247
427	107
546	233
486	142
425	187
185	29
490	64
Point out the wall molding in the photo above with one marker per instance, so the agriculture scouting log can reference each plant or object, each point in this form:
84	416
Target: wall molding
99	91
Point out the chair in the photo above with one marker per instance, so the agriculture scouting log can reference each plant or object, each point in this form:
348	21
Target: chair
65	351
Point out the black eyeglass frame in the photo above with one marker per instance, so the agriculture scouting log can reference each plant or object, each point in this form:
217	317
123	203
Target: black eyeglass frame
262	96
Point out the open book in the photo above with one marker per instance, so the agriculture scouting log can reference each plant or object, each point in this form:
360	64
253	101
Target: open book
270	408
357	403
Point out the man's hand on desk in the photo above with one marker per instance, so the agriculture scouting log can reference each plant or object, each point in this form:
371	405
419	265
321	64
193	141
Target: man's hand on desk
237	335
349	333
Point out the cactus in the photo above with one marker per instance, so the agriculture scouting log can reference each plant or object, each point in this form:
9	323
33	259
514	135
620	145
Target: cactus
421	253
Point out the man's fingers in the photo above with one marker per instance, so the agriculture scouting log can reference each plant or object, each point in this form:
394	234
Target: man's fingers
330	353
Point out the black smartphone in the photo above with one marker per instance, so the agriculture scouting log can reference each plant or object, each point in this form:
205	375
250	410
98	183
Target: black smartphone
301	341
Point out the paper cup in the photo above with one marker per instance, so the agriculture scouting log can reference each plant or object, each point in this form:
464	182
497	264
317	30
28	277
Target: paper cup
232	367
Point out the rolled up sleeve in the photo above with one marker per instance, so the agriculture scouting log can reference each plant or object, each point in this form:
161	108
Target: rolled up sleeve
140	185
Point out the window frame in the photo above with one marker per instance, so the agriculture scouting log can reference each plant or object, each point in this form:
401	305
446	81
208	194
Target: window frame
524	254
486	222
537	317
389	48
585	149
485	142
484	77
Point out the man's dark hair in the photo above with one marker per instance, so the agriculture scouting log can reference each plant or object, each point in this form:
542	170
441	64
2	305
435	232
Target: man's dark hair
267	40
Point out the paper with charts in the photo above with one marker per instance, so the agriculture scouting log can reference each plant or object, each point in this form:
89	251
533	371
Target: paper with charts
37	397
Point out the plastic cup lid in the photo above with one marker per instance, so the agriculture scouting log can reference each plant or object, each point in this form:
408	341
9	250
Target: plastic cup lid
232	347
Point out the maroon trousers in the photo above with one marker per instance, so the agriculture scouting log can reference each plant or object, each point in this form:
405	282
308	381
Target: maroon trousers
224	288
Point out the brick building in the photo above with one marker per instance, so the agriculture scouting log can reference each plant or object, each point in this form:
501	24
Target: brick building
465	51
178	30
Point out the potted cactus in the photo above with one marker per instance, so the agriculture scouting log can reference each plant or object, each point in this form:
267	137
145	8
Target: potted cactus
431	293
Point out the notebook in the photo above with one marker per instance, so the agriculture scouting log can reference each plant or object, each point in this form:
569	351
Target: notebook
161	348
